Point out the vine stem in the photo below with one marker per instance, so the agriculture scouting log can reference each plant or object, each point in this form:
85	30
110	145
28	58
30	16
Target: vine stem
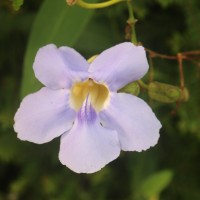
142	84
84	4
180	61
131	21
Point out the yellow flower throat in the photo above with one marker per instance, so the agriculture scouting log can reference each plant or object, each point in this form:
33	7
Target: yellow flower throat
98	94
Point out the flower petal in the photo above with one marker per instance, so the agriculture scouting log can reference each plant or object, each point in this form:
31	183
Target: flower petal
119	65
136	124
88	146
44	115
58	67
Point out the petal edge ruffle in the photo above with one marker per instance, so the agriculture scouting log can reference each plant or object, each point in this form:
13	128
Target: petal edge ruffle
43	116
119	65
136	124
58	68
88	147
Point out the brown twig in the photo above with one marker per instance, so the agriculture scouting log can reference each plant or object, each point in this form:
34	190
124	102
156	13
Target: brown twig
189	55
180	64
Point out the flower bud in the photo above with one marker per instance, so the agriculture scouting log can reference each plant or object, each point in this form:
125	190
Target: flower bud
131	88
166	93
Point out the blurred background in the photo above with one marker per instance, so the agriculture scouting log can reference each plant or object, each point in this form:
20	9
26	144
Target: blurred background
168	171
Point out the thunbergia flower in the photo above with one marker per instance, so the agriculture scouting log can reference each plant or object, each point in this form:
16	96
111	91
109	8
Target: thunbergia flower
80	102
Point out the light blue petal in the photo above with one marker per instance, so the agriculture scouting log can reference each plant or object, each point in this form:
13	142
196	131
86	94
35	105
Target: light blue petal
136	124
59	67
44	115
119	65
88	146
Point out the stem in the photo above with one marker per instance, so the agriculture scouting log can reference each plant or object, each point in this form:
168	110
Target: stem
180	61
151	69
97	5
131	21
142	84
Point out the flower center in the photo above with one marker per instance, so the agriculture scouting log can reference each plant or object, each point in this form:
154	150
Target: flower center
98	94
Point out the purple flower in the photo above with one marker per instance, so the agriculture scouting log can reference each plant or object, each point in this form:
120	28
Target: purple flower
81	103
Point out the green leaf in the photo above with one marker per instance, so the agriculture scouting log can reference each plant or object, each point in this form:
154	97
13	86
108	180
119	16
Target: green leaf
6	153
55	23
17	4
153	185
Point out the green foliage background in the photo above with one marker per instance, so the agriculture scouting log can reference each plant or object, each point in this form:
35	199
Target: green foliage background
169	171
